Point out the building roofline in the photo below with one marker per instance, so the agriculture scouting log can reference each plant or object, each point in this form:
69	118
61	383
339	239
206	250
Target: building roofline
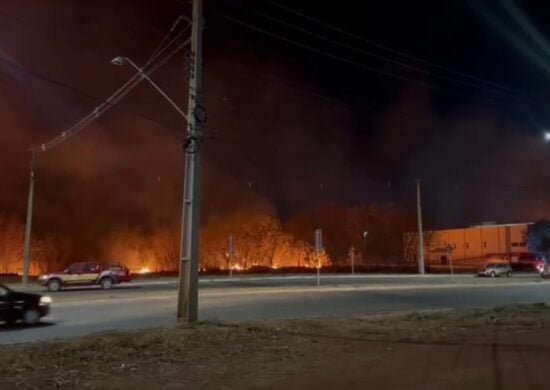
496	225
476	227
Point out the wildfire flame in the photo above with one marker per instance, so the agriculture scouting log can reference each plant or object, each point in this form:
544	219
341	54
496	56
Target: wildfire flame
144	270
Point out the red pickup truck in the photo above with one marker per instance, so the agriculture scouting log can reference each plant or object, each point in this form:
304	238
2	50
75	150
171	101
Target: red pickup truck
86	274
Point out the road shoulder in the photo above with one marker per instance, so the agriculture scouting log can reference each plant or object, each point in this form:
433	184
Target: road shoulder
474	349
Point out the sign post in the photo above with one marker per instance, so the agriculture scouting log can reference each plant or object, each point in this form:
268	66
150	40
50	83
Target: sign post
449	250
230	253
352	258
318	251
364	249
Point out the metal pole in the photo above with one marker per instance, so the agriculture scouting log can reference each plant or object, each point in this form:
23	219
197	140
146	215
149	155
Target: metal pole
188	294
352	260
318	250
364	249
421	269
318	270
28	225
230	256
146	77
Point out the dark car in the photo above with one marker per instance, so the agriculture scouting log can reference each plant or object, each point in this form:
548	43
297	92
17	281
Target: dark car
20	306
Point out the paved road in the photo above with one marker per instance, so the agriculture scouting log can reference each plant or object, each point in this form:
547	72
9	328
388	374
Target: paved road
148	285
153	304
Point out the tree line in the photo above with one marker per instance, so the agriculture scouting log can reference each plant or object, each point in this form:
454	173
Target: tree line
373	232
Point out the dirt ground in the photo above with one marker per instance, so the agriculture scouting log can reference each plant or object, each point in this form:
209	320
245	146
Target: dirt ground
476	349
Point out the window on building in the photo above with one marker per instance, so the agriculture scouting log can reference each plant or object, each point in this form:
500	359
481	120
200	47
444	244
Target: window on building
466	245
515	244
522	244
485	244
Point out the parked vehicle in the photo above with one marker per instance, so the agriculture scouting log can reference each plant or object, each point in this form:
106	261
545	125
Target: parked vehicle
528	262
21	306
86	274
496	269
120	272
545	273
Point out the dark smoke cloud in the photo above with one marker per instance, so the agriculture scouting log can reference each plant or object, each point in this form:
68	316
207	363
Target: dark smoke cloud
476	164
269	136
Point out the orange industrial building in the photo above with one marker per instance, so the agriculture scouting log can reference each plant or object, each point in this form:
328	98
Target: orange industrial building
476	242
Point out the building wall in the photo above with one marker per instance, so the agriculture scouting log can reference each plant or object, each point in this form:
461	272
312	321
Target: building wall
477	242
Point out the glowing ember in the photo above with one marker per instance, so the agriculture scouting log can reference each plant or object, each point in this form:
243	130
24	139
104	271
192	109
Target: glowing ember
144	270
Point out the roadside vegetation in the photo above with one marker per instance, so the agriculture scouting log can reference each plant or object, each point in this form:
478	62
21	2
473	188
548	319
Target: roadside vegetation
214	355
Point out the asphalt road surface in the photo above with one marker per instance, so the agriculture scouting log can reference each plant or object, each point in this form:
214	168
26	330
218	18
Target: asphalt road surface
152	303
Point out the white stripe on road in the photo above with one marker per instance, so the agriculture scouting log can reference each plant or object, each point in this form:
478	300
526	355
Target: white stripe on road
314	277
287	290
326	277
302	277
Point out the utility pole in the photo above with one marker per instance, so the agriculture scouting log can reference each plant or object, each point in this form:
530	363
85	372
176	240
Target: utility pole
421	269
188	294
28	225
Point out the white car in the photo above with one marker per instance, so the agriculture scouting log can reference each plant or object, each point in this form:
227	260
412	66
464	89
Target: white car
496	269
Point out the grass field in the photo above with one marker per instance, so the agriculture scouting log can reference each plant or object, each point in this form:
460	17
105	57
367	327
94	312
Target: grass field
243	355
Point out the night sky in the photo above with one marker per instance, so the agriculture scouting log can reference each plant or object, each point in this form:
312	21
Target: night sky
300	114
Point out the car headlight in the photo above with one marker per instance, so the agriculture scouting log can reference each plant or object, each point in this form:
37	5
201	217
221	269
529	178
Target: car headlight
42	277
45	300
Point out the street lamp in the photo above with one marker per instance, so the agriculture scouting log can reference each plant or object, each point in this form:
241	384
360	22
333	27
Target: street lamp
192	142
188	281
27	250
188	295
546	136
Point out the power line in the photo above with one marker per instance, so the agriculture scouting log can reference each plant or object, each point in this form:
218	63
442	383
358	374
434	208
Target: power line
118	95
470	84
45	32
98	111
304	88
162	46
73	89
54	34
300	93
80	92
346	60
389	49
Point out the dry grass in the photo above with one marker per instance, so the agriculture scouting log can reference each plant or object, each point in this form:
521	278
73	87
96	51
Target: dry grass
86	362
209	355
444	325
